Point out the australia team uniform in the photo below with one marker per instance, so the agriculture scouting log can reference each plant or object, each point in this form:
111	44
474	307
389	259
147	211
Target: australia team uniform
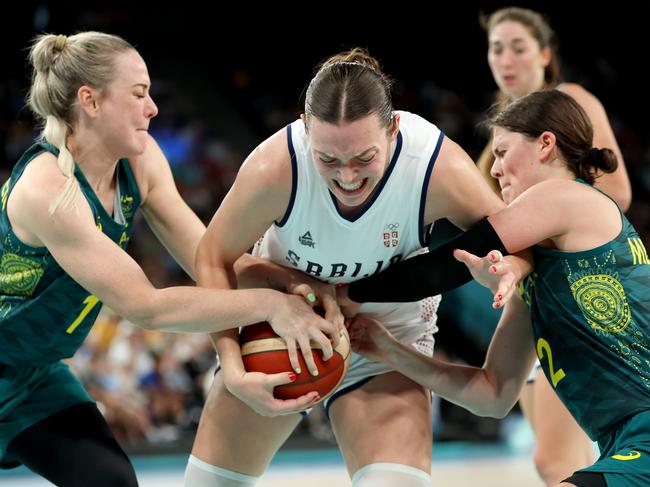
591	318
44	314
316	238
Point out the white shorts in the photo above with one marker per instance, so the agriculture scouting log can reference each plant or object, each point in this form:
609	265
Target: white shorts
413	323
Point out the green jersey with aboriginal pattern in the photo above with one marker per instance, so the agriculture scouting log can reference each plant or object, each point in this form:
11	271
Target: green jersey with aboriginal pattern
591	320
44	314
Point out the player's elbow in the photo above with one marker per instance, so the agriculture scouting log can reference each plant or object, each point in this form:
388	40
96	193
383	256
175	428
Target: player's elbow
501	409
493	409
140	309
499	397
205	255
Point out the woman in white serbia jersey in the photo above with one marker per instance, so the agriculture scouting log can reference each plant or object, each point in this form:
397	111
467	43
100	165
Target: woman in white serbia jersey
340	194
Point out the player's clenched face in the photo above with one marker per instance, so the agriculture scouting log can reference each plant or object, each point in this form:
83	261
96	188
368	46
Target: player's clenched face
126	108
515	162
352	157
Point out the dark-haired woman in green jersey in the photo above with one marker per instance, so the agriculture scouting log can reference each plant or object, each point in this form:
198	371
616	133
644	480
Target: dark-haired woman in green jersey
585	307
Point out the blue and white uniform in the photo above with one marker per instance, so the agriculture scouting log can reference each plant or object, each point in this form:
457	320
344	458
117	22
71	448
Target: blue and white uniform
316	238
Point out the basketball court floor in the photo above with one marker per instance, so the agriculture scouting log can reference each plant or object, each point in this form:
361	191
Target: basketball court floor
506	464
311	471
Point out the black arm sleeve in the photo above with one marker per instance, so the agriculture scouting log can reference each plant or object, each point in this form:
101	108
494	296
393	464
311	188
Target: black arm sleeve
427	274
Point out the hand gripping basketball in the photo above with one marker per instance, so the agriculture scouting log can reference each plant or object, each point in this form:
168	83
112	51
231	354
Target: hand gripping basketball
265	351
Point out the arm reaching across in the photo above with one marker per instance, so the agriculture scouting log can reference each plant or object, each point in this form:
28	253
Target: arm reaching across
553	203
430	273
255	272
490	390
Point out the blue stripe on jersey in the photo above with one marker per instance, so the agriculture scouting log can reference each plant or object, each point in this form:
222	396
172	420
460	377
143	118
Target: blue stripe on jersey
294	178
380	186
425	186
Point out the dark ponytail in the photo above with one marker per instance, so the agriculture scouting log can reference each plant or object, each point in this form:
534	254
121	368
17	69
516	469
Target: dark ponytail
556	112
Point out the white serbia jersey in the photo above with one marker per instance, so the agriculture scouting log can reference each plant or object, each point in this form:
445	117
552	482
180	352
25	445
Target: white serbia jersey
316	238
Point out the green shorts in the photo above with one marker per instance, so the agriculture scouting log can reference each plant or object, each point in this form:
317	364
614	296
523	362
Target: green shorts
31	394
625	457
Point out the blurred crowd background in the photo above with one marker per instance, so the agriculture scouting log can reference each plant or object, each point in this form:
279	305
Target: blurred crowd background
224	82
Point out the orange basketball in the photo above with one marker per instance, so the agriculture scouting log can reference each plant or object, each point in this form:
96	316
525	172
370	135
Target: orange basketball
264	351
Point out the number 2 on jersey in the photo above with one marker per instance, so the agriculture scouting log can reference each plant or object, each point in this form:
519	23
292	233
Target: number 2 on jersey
544	346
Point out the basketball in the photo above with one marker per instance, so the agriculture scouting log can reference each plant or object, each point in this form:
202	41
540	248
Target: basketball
264	351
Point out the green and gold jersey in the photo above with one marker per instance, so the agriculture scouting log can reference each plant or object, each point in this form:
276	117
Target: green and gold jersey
44	314
591	318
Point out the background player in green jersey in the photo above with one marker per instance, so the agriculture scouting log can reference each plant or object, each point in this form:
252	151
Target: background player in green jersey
65	218
587	299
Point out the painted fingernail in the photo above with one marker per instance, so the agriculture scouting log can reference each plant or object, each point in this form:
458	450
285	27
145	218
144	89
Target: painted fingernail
298	370
292	376
499	297
314	372
493	269
311	297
